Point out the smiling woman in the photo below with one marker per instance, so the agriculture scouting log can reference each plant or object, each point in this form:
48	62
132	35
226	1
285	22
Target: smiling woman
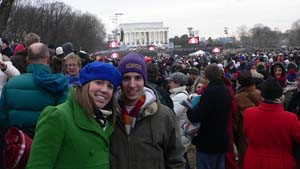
80	128
72	66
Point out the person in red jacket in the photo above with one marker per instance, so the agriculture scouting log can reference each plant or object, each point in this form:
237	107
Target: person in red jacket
270	131
230	162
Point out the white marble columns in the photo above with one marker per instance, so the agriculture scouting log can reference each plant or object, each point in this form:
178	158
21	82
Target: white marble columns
146	38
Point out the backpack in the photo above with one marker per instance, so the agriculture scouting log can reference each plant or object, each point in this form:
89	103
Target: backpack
17	148
190	129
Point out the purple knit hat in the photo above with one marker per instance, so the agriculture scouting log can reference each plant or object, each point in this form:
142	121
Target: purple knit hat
133	62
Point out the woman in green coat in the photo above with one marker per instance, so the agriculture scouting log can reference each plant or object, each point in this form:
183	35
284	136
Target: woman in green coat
75	134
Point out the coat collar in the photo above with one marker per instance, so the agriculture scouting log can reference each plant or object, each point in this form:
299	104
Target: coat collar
149	108
270	107
178	90
215	82
247	89
85	122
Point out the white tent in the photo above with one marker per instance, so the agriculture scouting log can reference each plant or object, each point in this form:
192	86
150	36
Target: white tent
197	53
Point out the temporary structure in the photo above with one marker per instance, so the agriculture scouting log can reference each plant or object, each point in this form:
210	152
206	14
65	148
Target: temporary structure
197	53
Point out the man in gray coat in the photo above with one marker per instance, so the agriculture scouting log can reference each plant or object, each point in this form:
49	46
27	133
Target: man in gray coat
146	135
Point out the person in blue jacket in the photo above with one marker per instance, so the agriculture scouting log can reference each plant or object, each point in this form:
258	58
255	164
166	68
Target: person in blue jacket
25	96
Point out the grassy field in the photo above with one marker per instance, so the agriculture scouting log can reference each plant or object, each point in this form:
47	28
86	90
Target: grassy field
192	156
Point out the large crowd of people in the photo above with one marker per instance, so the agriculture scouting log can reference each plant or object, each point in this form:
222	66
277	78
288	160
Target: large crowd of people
236	109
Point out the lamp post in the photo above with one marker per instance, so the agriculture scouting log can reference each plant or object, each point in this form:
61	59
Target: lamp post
191	32
115	19
226	34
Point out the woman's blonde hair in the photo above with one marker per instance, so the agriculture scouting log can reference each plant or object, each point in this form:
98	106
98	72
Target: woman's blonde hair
197	81
71	56
86	102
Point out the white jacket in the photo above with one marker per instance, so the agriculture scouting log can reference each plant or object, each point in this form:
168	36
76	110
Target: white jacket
178	95
11	71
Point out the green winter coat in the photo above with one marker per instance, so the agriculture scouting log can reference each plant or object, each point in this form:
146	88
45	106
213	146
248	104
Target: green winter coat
67	138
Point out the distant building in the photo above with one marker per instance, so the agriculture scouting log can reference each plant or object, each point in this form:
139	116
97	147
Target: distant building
143	34
226	40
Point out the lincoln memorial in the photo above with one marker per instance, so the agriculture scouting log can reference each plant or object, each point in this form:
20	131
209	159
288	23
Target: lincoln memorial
143	34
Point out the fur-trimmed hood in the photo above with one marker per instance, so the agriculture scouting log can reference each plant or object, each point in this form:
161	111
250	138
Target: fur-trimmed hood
281	66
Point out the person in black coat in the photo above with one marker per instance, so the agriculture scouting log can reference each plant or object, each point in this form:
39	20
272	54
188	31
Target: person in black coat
294	104
5	49
154	78
212	112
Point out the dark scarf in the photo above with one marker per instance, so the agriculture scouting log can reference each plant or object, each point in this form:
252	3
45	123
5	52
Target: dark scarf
100	118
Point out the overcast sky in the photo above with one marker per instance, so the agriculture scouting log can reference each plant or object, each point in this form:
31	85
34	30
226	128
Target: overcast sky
208	17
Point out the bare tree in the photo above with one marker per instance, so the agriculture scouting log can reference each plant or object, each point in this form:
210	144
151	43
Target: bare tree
264	37
244	36
88	32
56	23
5	9
294	34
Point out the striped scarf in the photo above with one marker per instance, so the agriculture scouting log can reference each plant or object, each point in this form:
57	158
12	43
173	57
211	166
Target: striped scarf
129	118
